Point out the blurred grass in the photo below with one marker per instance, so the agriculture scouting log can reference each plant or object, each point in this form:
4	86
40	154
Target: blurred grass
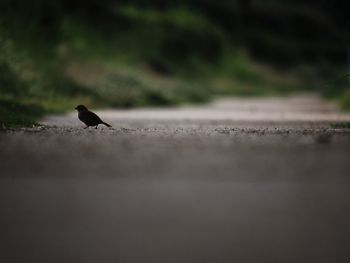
156	58
341	125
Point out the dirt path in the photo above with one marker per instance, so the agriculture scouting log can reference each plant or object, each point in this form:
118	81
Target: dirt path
240	180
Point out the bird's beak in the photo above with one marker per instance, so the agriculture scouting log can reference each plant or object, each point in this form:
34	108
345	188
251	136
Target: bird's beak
76	108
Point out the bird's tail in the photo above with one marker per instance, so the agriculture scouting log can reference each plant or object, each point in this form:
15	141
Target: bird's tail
106	124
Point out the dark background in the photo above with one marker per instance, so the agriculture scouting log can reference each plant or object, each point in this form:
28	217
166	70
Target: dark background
132	53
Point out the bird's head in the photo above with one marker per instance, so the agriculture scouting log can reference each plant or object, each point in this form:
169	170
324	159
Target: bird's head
81	108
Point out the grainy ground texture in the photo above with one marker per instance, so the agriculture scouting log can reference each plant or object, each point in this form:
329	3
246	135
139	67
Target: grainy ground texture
239	180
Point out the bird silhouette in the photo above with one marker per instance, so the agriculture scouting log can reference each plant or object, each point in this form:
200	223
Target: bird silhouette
89	118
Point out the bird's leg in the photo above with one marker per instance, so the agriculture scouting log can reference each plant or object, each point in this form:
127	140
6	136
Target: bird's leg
96	126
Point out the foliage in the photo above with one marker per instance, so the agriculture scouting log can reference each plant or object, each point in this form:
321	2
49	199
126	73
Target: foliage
134	53
341	125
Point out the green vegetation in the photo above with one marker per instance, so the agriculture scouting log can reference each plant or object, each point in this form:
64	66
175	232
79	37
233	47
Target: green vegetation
341	125
56	54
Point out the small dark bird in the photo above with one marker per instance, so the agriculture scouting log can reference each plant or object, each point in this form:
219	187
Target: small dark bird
89	118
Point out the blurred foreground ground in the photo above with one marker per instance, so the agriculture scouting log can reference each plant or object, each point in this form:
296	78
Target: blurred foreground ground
240	180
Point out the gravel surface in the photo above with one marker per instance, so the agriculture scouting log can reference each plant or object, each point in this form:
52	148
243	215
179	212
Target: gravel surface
240	180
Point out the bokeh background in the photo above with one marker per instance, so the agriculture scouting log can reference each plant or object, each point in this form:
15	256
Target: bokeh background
135	53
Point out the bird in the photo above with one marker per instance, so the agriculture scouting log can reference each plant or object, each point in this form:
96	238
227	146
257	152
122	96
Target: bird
89	118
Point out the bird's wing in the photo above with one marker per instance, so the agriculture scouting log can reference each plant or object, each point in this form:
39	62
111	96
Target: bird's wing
89	118
94	117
